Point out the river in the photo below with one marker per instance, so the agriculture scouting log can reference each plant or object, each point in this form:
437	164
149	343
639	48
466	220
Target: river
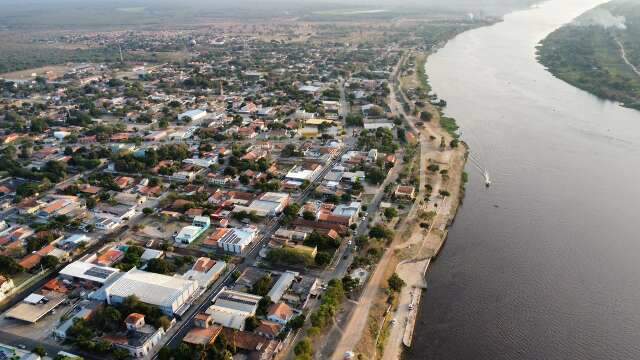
545	264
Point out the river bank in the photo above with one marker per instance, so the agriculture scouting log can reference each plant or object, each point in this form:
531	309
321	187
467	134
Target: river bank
442	179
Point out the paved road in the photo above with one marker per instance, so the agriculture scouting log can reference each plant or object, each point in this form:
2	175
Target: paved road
51	349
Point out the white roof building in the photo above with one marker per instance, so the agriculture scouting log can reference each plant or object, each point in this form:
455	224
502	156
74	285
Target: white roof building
297	173
81	270
172	295
205	271
231	308
236	240
195	115
280	287
269	204
188	234
309	89
149	254
191	232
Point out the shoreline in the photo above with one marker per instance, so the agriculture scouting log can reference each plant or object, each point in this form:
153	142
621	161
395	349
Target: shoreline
422	246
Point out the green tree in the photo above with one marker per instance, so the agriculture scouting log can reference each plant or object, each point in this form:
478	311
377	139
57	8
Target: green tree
49	261
160	266
390	213
395	282
251	323
262	286
8	266
308	215
303	347
39	350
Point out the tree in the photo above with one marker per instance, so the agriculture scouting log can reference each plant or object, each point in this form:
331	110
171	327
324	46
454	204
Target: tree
296	323
39	350
263	305
354	120
163	322
160	266
395	282
262	286
107	319
390	213
349	283
147	211
375	175
49	261
303	347
8	266
289	150
380	232
425	116
251	323
322	258
91	203
308	215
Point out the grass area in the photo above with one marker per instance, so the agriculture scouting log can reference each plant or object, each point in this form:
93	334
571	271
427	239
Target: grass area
588	56
421	73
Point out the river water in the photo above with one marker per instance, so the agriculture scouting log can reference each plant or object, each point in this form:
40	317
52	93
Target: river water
545	264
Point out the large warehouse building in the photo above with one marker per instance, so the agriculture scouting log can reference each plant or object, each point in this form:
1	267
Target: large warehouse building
172	295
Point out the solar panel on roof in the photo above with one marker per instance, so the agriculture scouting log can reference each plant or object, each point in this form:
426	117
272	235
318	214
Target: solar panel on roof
99	272
236	299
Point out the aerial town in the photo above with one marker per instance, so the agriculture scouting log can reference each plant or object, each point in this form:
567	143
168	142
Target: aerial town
230	205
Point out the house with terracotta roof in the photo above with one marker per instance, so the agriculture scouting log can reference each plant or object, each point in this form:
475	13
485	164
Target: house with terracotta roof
30	261
59	206
204	332
29	206
90	189
56	285
124	182
268	329
405	192
109	257
256	346
280	313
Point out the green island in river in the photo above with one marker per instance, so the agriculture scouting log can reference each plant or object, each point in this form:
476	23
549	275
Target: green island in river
599	52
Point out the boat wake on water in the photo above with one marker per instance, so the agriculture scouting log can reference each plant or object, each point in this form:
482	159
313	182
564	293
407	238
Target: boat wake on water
485	172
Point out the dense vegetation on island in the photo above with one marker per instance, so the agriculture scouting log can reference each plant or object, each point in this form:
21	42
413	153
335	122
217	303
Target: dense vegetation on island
588	53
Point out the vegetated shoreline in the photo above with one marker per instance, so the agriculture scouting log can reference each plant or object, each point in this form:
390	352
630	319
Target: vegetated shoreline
424	235
592	57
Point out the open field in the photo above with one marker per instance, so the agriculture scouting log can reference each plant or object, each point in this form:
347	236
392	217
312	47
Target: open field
40	71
